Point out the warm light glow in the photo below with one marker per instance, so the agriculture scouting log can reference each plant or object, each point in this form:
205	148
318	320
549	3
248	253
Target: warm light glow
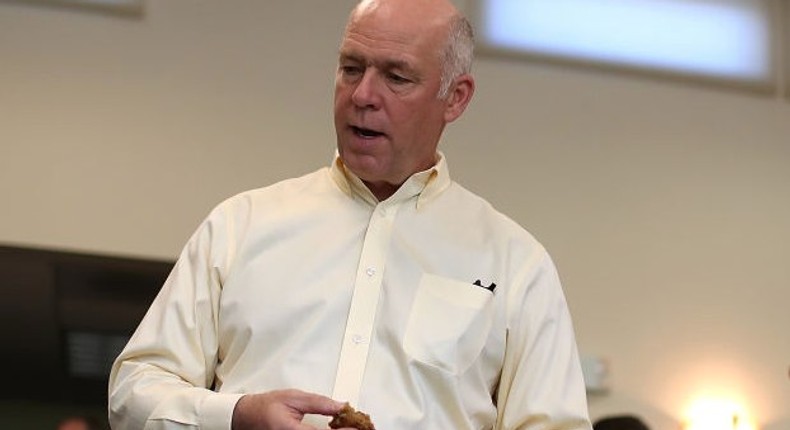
717	414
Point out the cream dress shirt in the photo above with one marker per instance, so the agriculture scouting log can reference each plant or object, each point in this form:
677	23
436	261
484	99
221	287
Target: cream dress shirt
313	284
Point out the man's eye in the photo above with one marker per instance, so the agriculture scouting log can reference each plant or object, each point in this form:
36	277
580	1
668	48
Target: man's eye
351	70
398	79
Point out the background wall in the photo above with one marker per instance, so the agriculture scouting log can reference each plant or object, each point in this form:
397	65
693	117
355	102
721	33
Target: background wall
666	206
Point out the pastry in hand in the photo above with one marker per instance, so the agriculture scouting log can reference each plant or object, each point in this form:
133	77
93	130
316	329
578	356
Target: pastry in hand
348	417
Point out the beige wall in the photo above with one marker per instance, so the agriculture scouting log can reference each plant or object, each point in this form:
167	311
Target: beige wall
666	206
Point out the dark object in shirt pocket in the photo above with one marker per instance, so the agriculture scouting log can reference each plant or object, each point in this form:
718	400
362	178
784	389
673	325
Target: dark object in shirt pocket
491	287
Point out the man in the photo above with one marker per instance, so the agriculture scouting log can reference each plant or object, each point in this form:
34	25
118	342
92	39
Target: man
377	281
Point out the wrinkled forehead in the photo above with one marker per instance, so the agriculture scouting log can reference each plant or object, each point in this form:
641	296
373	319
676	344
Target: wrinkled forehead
390	53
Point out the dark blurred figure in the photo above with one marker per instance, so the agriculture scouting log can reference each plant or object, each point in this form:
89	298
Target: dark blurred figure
620	422
80	422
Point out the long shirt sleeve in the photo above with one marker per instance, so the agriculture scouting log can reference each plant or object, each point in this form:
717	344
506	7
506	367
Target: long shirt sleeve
541	369
163	378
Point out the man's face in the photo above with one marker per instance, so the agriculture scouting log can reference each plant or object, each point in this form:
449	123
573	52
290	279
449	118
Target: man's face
388	118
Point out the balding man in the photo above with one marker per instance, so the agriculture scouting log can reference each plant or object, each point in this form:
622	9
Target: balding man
377	281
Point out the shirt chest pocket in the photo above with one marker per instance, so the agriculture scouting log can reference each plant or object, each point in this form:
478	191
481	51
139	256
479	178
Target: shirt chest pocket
448	324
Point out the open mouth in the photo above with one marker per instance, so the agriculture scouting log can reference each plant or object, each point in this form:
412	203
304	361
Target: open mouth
366	133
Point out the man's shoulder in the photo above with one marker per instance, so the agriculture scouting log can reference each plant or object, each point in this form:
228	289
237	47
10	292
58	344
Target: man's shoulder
276	195
481	209
469	201
293	186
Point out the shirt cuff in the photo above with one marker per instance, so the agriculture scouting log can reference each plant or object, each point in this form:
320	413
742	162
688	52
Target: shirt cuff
217	411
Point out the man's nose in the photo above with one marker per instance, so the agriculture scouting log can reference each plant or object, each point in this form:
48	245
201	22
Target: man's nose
367	93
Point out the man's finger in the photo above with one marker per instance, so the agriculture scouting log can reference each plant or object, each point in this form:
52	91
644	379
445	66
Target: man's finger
311	403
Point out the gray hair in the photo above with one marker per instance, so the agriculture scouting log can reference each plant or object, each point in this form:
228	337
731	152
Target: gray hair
457	54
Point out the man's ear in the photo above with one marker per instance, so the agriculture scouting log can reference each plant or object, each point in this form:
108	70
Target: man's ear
460	95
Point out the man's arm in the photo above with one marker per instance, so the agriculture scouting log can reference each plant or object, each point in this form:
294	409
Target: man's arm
162	378
541	386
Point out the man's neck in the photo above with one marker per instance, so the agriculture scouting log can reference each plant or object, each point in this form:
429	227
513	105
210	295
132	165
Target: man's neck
382	190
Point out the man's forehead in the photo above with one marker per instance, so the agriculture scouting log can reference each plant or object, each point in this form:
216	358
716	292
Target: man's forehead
391	44
381	47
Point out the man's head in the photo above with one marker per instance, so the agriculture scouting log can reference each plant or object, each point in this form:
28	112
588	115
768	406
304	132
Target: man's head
403	74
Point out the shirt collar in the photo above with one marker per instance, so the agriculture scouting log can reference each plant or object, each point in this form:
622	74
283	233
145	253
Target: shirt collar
425	185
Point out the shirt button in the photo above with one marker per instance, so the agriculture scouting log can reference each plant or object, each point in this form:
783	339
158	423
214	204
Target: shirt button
371	271
358	339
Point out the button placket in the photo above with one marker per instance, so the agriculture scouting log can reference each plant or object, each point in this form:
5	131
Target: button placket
364	302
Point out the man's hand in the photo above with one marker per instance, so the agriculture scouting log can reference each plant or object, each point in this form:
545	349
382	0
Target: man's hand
280	410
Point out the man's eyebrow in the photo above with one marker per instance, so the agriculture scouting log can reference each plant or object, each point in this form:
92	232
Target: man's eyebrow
399	64
387	64
348	56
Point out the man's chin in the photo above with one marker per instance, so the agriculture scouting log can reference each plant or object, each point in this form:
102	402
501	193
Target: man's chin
363	166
